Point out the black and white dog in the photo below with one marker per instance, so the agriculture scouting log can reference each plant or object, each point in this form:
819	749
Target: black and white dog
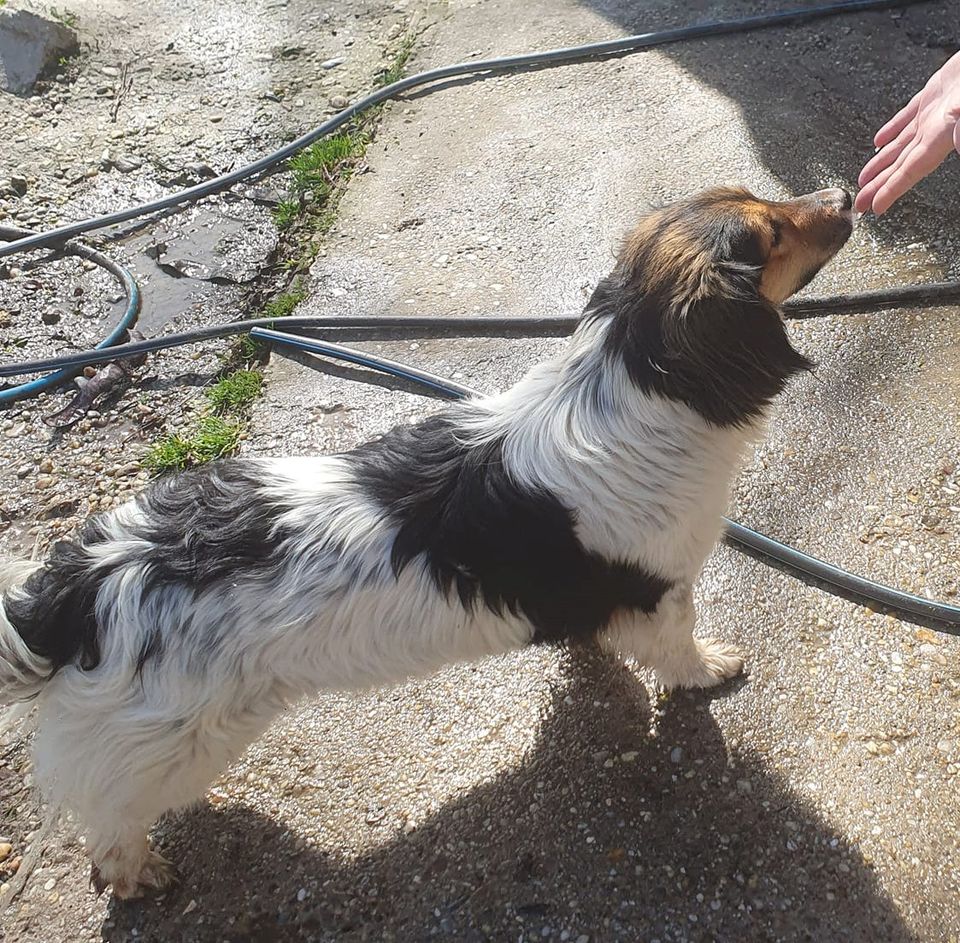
579	504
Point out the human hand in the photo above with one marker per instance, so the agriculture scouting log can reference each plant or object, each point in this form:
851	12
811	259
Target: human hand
914	142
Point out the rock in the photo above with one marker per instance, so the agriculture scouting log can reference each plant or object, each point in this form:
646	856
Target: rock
264	195
127	163
29	45
5	850
676	755
125	471
50	316
339	101
199	169
59	507
46	466
44	482
333	63
18	185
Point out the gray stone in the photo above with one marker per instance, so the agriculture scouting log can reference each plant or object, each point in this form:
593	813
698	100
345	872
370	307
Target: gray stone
29	45
127	163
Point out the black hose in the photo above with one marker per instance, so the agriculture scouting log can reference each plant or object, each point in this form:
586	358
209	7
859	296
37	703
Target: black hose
372	328
378	328
937	615
534	60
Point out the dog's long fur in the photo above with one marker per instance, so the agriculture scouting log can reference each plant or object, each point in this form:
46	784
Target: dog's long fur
579	504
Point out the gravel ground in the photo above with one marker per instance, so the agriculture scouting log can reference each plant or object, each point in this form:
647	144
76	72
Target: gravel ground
159	98
554	796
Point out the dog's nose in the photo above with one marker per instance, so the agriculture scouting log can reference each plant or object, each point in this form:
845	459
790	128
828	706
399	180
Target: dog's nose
836	198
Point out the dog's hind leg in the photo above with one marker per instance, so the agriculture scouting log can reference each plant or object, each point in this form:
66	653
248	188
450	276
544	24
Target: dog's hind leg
664	642
120	770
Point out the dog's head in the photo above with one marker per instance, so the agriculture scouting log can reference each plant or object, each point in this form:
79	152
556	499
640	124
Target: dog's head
694	295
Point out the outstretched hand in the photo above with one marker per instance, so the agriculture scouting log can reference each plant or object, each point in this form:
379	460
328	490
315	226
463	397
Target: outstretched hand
914	142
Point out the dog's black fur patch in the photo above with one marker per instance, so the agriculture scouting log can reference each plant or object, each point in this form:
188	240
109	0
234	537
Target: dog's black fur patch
201	527
53	611
723	352
492	542
208	524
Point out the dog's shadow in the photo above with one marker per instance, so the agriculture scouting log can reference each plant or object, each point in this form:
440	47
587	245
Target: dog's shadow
605	828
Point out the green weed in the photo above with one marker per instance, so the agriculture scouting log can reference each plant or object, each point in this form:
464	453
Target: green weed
236	390
285	213
317	169
214	437
394	72
282	305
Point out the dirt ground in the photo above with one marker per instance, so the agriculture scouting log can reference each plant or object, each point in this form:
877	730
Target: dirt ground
545	795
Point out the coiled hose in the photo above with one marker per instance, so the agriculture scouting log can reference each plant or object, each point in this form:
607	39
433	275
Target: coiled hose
129	317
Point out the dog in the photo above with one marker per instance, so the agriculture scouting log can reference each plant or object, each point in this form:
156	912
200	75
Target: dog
578	505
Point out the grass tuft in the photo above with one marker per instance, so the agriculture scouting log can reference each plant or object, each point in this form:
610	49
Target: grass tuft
319	171
285	213
394	72
236	390
245	351
283	304
214	437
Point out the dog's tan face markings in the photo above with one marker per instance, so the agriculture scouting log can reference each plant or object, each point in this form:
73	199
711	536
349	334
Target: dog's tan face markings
686	251
800	236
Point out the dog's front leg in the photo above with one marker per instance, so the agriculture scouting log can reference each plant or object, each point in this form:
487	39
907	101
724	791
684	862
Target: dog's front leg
664	642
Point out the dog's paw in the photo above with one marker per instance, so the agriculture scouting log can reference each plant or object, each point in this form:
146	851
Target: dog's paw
708	663
156	875
719	662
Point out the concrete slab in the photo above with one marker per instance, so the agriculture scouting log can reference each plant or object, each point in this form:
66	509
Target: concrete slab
815	801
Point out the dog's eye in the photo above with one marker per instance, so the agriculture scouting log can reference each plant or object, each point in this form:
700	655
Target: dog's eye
777	232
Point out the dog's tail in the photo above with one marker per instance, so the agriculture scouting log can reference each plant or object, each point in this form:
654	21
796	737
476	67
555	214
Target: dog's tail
23	672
